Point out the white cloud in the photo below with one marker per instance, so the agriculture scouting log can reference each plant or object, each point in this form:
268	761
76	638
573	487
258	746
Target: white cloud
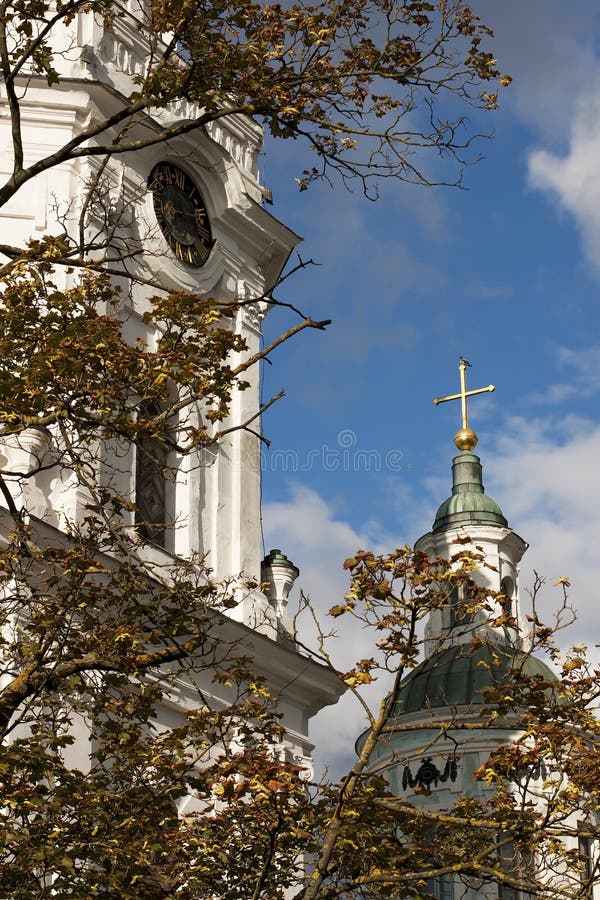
547	47
308	530
574	178
586	361
583	371
550	49
544	475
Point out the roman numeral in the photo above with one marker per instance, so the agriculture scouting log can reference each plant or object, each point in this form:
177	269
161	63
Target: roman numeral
201	249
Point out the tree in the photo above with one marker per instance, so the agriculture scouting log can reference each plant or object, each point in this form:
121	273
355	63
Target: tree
114	830
531	830
97	628
365	83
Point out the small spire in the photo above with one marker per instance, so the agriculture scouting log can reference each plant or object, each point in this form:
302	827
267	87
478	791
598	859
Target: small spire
465	438
279	574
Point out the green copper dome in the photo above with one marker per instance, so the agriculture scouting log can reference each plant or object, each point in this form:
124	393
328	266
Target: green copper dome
458	676
469	504
276	559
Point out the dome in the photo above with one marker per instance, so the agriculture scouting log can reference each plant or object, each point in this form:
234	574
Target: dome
458	676
468	508
469	504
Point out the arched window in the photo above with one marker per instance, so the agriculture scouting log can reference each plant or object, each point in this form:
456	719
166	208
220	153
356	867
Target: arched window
507	587
151	483
515	865
458	614
440	887
586	855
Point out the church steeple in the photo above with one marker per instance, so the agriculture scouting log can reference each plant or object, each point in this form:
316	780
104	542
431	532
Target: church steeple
468	503
470	514
442	726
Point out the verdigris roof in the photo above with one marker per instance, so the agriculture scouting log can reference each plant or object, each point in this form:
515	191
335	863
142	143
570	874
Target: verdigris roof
458	676
468	504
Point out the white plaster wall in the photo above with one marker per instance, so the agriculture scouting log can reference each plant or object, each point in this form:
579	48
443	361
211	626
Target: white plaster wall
217	491
501	550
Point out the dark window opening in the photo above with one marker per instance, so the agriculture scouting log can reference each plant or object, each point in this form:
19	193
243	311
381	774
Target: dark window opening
151	484
440	887
515	865
586	856
458	613
507	587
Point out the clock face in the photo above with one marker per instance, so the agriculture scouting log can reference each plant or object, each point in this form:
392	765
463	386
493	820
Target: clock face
181	214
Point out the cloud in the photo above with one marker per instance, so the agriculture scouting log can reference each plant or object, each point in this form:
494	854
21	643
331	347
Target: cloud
309	531
549	47
585	362
573	179
583	369
482	291
544	475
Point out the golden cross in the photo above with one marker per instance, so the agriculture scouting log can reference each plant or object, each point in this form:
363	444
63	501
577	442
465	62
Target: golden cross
464	393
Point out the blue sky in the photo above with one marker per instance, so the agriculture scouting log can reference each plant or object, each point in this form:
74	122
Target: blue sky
506	273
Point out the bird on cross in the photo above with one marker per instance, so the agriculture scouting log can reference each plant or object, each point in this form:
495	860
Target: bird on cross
465	438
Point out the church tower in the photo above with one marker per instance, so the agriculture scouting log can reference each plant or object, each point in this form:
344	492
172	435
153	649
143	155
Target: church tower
185	214
163	206
434	740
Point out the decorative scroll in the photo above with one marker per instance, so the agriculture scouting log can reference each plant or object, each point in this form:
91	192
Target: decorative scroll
428	774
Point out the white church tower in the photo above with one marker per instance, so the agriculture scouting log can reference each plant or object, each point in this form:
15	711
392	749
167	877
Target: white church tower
186	214
435	739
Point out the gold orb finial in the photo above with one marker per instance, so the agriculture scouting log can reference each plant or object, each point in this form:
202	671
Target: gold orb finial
465	439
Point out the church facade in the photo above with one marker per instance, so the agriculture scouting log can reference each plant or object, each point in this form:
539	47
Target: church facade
185	215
